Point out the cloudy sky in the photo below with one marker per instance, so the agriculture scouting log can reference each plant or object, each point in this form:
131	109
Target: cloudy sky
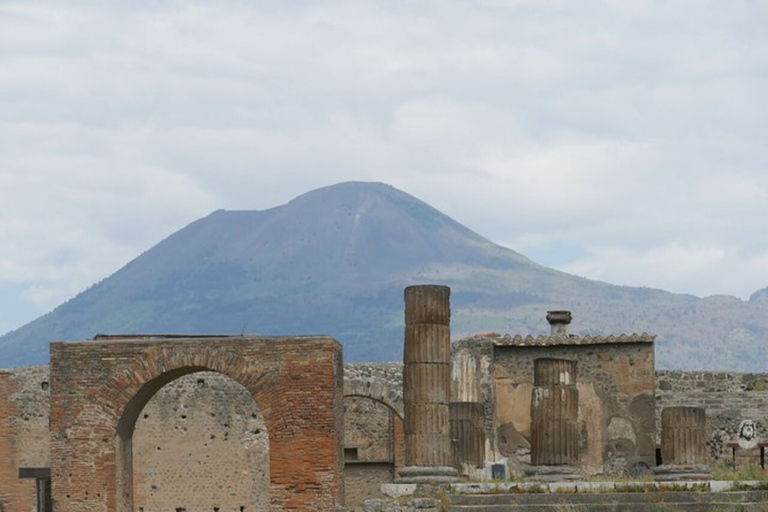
619	140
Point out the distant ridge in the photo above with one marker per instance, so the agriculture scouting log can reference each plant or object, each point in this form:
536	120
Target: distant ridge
335	261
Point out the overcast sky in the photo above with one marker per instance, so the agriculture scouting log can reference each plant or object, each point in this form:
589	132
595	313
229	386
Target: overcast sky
623	141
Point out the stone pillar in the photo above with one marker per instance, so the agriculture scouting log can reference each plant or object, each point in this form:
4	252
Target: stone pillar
554	420
427	385
683	444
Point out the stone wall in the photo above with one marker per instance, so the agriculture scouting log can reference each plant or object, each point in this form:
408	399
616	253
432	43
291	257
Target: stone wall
382	382
200	443
362	481
728	398
615	381
204	423
369	448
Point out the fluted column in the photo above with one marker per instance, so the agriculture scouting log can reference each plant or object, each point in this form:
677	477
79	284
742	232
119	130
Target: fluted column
683	444
554	420
427	385
554	413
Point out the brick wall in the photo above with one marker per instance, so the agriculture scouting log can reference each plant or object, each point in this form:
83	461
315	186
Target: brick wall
296	382
204	422
24	399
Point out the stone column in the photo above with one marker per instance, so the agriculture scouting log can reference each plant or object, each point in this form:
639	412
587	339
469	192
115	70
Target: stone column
467	417
427	385
683	444
554	420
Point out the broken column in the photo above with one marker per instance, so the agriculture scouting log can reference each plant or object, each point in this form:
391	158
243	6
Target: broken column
554	420
683	444
427	385
467	418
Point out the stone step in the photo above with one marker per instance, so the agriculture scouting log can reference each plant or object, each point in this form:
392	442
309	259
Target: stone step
620	507
611	501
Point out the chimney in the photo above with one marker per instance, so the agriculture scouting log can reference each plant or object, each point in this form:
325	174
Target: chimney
559	321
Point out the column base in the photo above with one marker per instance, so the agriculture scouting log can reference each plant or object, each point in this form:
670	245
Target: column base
672	472
560	473
427	474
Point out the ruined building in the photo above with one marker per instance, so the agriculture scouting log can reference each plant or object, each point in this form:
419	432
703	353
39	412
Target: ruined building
219	424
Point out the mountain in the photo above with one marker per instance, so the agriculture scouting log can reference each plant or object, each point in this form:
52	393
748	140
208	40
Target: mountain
335	261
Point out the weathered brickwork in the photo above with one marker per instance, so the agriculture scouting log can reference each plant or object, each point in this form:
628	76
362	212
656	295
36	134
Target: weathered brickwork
728	398
100	387
24	435
240	443
203	421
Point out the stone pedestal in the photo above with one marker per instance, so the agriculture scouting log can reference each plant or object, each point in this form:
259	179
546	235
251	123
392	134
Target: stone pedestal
427	385
554	420
683	444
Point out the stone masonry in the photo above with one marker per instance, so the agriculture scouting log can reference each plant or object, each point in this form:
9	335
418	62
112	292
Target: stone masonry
728	398
616	398
101	387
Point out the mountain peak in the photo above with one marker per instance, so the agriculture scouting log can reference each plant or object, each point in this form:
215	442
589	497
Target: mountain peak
335	260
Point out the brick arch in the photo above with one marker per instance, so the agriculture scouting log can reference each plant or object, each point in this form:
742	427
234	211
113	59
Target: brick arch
99	388
378	389
159	365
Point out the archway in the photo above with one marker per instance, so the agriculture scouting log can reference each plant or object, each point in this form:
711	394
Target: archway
374	441
374	447
99	388
200	444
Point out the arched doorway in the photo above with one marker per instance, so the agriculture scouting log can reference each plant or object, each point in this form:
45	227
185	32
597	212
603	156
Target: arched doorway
200	444
374	447
374	441
99	388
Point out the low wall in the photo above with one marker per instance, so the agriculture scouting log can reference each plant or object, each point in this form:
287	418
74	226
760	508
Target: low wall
728	398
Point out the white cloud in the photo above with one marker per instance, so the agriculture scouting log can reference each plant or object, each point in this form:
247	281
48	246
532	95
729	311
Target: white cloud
676	267
619	136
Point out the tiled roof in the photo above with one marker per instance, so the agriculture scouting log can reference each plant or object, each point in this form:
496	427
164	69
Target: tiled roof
570	339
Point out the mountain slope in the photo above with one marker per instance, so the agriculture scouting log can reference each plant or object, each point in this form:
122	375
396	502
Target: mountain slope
335	261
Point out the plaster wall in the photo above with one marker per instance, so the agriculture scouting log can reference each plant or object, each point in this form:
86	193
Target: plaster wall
616	402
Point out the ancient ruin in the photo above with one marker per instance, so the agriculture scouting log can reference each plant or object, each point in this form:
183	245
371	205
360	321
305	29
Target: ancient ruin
99	389
244	423
554	420
683	439
427	385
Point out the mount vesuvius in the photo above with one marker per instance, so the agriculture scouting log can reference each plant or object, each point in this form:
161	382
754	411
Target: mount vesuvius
335	261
